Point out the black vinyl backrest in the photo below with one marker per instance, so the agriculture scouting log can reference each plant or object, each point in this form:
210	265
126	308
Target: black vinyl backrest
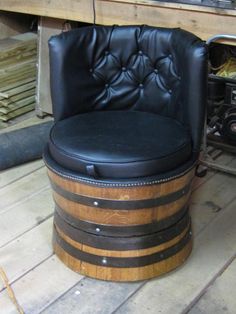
143	68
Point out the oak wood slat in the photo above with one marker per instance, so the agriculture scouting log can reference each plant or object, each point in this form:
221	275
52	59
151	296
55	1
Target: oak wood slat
91	214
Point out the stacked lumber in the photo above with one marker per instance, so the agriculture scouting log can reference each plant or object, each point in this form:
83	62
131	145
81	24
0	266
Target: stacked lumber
17	75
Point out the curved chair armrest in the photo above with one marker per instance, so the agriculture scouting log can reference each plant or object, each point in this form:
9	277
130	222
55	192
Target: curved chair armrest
192	54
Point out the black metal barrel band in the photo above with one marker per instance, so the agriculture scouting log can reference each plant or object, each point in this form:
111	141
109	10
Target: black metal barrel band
122	230
121	243
121	204
118	262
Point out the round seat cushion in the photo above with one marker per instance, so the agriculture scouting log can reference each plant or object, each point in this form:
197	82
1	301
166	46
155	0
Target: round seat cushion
119	144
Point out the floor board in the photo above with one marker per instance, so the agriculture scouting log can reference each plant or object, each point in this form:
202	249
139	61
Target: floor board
25	215
42	284
25	253
203	214
219	297
23	189
174	293
90	296
39	287
11	175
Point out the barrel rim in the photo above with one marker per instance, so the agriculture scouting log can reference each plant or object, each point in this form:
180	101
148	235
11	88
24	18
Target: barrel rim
121	204
118	183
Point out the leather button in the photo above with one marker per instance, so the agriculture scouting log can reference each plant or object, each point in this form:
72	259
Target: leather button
91	70
123	69
140	85
106	85
140	52
170	91
106	53
156	71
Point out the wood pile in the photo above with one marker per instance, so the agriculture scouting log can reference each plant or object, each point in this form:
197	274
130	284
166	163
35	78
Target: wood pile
17	75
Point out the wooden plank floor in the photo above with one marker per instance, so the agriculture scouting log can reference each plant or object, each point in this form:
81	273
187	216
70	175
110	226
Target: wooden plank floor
42	284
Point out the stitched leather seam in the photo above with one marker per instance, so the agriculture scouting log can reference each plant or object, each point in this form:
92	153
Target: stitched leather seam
79	179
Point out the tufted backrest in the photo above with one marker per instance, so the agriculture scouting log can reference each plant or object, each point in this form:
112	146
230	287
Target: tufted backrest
129	68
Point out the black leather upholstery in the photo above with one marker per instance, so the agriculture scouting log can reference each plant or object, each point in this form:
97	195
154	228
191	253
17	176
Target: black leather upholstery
100	71
120	144
116	182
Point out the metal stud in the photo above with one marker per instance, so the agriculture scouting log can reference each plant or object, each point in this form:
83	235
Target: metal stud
104	260
98	229
95	203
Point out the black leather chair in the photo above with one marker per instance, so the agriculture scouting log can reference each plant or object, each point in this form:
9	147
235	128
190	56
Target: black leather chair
129	106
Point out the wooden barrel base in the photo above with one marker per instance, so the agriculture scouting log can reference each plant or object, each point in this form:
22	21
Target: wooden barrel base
123	274
123	259
122	232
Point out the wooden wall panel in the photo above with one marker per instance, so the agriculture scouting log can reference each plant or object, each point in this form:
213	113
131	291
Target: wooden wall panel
80	10
46	28
203	21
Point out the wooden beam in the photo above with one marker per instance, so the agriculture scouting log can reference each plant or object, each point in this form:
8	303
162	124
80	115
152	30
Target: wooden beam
203	21
78	10
46	28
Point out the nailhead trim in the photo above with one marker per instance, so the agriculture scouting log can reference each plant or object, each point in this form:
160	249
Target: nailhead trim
79	179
